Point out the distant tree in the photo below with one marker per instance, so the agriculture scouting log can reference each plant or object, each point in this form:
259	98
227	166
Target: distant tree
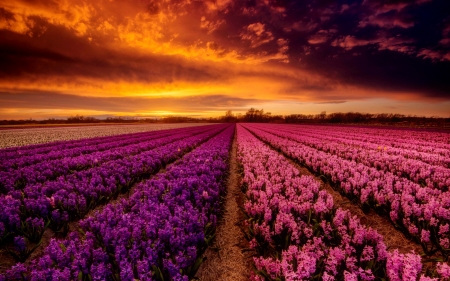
82	119
229	117
323	114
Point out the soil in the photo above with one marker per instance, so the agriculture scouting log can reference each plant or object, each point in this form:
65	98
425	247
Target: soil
225	259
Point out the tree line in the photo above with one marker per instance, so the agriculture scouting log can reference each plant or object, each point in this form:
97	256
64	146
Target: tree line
256	115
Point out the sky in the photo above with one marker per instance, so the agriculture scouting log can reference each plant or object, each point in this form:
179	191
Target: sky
201	58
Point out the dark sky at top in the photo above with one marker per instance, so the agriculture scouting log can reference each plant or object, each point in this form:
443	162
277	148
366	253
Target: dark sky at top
146	57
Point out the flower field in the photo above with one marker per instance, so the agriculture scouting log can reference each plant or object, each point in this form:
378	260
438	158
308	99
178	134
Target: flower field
145	205
29	136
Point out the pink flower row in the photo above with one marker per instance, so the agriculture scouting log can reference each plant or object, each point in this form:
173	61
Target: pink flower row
422	211
297	232
379	157
422	141
434	149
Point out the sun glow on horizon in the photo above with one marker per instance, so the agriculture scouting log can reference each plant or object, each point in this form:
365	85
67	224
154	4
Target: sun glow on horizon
110	58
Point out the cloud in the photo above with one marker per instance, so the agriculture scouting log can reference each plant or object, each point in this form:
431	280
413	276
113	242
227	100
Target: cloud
321	36
209	25
434	55
317	51
332	102
383	40
397	44
386	21
54	100
349	42
218	5
389	14
445	41
257	34
77	58
302	26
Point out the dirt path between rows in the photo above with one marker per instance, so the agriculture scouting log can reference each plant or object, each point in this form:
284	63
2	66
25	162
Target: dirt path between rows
225	258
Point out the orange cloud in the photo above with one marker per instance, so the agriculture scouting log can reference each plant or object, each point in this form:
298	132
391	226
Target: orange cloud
254	53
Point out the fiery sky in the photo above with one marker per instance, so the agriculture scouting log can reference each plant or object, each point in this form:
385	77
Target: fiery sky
203	57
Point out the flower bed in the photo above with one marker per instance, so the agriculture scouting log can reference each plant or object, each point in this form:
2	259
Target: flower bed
422	212
299	234
70	161
407	163
156	234
14	139
54	203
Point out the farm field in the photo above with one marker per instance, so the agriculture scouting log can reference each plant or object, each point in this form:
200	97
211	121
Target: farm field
245	201
44	134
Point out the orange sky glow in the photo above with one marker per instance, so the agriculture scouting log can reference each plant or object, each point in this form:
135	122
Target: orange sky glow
200	58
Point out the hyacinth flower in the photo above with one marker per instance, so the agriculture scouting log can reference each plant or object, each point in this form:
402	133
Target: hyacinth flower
323	243
156	234
67	164
414	208
74	195
33	228
22	248
49	166
71	259
59	222
9	217
353	145
13	141
431	175
30	155
429	147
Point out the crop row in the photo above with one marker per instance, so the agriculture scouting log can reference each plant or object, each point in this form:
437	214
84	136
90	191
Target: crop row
72	160
297	232
18	138
29	211
29	155
392	144
419	145
433	176
424	141
422	212
156	234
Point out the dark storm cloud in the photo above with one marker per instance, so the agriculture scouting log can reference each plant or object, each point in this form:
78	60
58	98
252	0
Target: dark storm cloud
388	46
52	100
332	102
391	48
58	53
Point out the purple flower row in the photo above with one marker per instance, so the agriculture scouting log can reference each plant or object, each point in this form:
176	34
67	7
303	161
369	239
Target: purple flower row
71	197
47	170
422	211
21	151
299	234
71	149
156	234
433	176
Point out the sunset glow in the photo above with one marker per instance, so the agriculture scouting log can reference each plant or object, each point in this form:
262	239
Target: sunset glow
200	58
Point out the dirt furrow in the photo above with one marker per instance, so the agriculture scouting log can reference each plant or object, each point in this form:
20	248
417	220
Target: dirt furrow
225	259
